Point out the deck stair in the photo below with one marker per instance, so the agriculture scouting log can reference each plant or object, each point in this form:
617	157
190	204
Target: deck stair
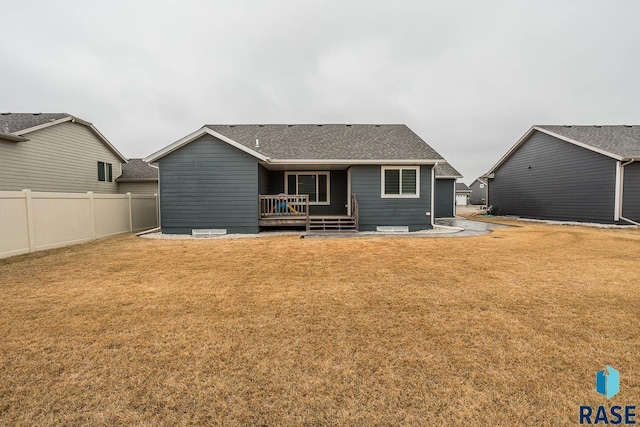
337	223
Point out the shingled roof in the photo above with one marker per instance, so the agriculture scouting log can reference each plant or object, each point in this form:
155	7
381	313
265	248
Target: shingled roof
445	170
14	126
15	122
137	170
325	142
623	141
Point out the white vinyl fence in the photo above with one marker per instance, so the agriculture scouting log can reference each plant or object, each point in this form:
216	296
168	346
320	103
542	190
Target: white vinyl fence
34	221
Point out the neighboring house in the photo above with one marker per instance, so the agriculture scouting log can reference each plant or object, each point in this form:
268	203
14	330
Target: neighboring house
570	173
462	194
445	194
138	177
478	194
242	178
55	152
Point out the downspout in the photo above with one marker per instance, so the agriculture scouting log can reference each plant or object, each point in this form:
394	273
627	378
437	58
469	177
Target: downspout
158	197
621	192
433	191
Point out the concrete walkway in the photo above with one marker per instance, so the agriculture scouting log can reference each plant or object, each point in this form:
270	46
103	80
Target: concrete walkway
469	227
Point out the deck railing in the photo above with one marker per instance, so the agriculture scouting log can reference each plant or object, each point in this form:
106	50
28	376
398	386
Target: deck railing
354	209
274	206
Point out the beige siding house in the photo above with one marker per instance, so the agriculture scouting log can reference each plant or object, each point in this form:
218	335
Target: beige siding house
56	153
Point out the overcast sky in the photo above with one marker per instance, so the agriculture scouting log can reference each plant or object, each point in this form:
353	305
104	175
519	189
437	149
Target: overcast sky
469	77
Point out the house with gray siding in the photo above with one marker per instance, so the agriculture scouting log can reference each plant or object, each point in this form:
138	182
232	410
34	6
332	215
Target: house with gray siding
478	195
56	152
570	173
445	190
244	178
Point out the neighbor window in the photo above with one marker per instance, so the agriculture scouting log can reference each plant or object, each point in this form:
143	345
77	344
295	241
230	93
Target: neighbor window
481	185
314	184
105	172
401	181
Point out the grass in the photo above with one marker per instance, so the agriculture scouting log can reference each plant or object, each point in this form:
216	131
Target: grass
503	329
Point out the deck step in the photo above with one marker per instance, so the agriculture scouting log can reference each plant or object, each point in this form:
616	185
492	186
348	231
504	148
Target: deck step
332	224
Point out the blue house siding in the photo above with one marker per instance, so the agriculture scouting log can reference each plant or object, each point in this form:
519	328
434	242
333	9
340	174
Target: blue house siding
375	210
547	178
209	184
338	192
445	198
631	195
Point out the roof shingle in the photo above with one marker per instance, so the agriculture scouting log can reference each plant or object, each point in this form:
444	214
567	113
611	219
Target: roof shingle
623	141
138	170
331	141
15	122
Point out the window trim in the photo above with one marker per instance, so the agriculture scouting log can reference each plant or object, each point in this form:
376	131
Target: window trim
383	195
296	173
107	171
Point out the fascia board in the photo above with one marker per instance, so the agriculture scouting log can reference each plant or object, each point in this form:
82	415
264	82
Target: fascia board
43	126
197	134
578	143
555	135
355	162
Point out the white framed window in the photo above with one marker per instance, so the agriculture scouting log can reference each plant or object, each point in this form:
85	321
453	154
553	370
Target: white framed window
400	182
315	184
481	185
105	172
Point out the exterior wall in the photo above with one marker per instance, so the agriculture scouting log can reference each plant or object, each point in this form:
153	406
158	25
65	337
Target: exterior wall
337	197
477	193
375	211
631	195
547	178
138	187
60	158
444	198
208	184
263	180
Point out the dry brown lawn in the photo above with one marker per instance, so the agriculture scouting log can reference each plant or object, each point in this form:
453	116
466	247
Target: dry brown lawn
503	329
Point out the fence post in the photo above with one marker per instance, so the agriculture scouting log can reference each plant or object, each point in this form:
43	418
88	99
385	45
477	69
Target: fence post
93	215
30	224
130	214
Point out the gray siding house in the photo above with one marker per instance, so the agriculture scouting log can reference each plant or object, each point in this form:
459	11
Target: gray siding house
242	178
56	152
445	190
570	173
478	194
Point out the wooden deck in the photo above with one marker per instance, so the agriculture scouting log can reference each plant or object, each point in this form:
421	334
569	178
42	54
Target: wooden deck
293	211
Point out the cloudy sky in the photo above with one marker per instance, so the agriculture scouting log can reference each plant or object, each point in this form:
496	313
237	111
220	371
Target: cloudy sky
469	77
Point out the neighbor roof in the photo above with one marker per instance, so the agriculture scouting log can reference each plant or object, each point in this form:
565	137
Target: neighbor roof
445	170
14	126
138	170
323	142
461	187
621	142
15	122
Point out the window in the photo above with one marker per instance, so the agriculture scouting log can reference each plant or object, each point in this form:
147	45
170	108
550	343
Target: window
105	172
401	182
314	184
481	185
